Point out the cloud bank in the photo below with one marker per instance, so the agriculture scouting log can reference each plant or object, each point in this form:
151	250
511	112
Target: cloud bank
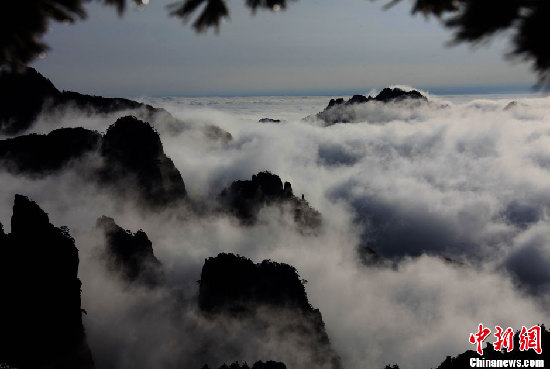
468	183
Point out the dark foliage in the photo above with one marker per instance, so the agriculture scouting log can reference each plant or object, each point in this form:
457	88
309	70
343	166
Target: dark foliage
257	365
40	313
130	254
22	23
36	154
214	11
476	21
234	285
340	111
244	199
133	150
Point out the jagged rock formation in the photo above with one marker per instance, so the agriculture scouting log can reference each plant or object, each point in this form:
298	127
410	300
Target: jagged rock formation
244	199
40	313
133	159
489	353
235	287
257	365
24	95
133	150
130	255
38	155
269	120
341	111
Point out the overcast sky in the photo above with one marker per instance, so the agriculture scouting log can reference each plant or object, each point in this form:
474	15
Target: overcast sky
314	47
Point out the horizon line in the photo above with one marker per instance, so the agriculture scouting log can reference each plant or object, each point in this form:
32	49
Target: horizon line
469	89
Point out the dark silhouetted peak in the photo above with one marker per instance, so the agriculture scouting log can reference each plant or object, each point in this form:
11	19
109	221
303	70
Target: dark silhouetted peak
269	120
397	94
38	277
100	104
394	366
20	82
368	256
257	365
131	141
37	154
130	254
26	94
341	111
237	288
358	99
513	105
28	218
333	102
234	283
244	199
134	162
215	133
133	151
22	95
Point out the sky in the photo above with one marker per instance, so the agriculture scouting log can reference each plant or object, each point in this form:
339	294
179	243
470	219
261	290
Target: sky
315	47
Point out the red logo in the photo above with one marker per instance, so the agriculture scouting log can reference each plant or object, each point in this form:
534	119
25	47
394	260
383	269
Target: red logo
528	338
504	340
479	337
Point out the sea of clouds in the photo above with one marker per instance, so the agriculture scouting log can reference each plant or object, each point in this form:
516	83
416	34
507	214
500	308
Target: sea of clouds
453	196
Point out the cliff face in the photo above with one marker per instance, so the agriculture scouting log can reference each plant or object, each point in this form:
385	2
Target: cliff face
40	313
245	199
130	255
236	288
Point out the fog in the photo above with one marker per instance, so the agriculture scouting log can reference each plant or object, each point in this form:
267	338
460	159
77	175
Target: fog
463	178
